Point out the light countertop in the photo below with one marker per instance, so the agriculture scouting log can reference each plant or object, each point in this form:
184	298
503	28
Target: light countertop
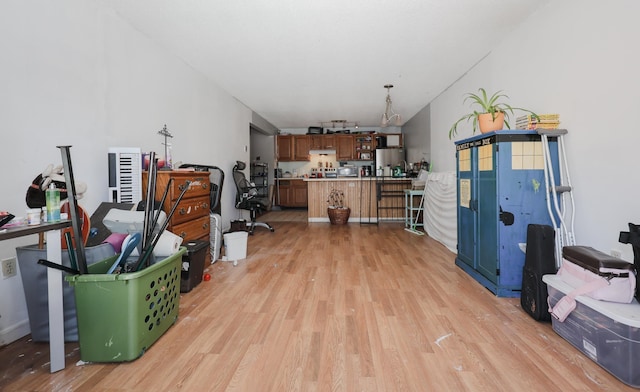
358	179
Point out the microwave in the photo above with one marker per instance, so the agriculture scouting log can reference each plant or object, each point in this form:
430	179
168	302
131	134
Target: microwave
393	140
347	171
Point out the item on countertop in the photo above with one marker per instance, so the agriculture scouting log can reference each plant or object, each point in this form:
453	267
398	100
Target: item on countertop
15	222
5	218
397	171
33	216
35	197
52	199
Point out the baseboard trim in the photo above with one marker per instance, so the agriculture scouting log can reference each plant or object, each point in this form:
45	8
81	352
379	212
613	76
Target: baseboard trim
14	332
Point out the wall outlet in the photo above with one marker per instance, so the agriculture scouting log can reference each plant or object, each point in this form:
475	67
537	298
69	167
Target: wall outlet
9	267
616	253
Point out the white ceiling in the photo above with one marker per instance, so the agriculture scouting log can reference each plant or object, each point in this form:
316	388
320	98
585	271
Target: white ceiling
299	62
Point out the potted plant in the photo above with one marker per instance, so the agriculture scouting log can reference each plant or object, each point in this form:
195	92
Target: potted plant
338	213
493	114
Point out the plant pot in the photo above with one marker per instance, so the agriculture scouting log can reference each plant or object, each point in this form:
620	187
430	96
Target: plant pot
487	123
338	216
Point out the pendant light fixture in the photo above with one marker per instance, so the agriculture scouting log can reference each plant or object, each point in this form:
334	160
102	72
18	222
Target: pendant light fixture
389	115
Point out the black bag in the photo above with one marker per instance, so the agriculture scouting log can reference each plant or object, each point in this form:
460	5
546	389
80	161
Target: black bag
633	237
539	260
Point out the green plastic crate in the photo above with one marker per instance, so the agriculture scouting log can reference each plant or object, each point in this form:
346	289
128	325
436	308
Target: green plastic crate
121	315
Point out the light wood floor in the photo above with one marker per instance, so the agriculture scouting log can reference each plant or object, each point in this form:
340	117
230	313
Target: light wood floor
316	307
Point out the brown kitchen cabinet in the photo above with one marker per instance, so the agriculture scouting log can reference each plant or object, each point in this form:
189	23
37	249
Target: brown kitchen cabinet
301	147
299	193
322	142
292	193
191	218
284	148
345	147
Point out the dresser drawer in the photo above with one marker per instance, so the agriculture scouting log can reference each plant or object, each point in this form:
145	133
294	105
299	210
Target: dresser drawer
200	185
194	229
190	209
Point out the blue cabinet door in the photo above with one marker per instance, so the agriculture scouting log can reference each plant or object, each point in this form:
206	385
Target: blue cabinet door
487	246
466	206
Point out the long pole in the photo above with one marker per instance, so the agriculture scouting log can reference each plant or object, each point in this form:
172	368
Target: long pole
144	255
150	185
73	208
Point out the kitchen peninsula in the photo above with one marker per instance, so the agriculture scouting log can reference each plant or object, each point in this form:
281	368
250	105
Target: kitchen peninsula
371	199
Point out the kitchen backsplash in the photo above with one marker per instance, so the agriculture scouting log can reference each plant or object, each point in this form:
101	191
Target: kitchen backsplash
302	168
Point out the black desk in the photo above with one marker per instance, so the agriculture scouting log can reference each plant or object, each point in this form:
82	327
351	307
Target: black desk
54	284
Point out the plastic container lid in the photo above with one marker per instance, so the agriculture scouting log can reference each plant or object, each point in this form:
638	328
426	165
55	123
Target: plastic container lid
627	314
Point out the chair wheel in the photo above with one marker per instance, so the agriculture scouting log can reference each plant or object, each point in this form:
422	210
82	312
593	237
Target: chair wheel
272	229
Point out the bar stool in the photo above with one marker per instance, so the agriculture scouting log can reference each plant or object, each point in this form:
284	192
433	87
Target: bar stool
411	209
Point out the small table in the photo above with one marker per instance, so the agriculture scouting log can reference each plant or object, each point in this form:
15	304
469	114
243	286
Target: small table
54	284
410	210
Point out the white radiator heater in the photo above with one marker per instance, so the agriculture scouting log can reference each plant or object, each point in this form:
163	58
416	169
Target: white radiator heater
125	175
215	237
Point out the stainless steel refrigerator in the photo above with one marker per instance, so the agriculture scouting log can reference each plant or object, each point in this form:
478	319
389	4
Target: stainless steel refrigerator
389	156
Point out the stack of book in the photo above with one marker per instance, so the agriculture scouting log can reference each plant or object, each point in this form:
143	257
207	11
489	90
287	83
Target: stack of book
547	121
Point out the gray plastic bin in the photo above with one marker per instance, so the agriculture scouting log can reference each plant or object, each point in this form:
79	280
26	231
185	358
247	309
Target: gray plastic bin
34	282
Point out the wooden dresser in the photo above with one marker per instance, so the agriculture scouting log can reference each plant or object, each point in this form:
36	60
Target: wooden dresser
191	219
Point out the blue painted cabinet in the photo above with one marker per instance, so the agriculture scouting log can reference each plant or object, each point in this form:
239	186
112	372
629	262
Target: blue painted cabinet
501	190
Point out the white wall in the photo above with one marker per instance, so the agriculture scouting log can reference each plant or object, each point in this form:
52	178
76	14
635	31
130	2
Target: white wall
576	58
417	134
74	73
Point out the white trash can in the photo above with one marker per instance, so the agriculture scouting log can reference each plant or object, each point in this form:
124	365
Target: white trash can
235	245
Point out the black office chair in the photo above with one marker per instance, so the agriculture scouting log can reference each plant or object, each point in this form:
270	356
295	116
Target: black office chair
246	197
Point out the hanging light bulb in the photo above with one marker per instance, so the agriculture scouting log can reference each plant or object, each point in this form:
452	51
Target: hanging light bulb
389	114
